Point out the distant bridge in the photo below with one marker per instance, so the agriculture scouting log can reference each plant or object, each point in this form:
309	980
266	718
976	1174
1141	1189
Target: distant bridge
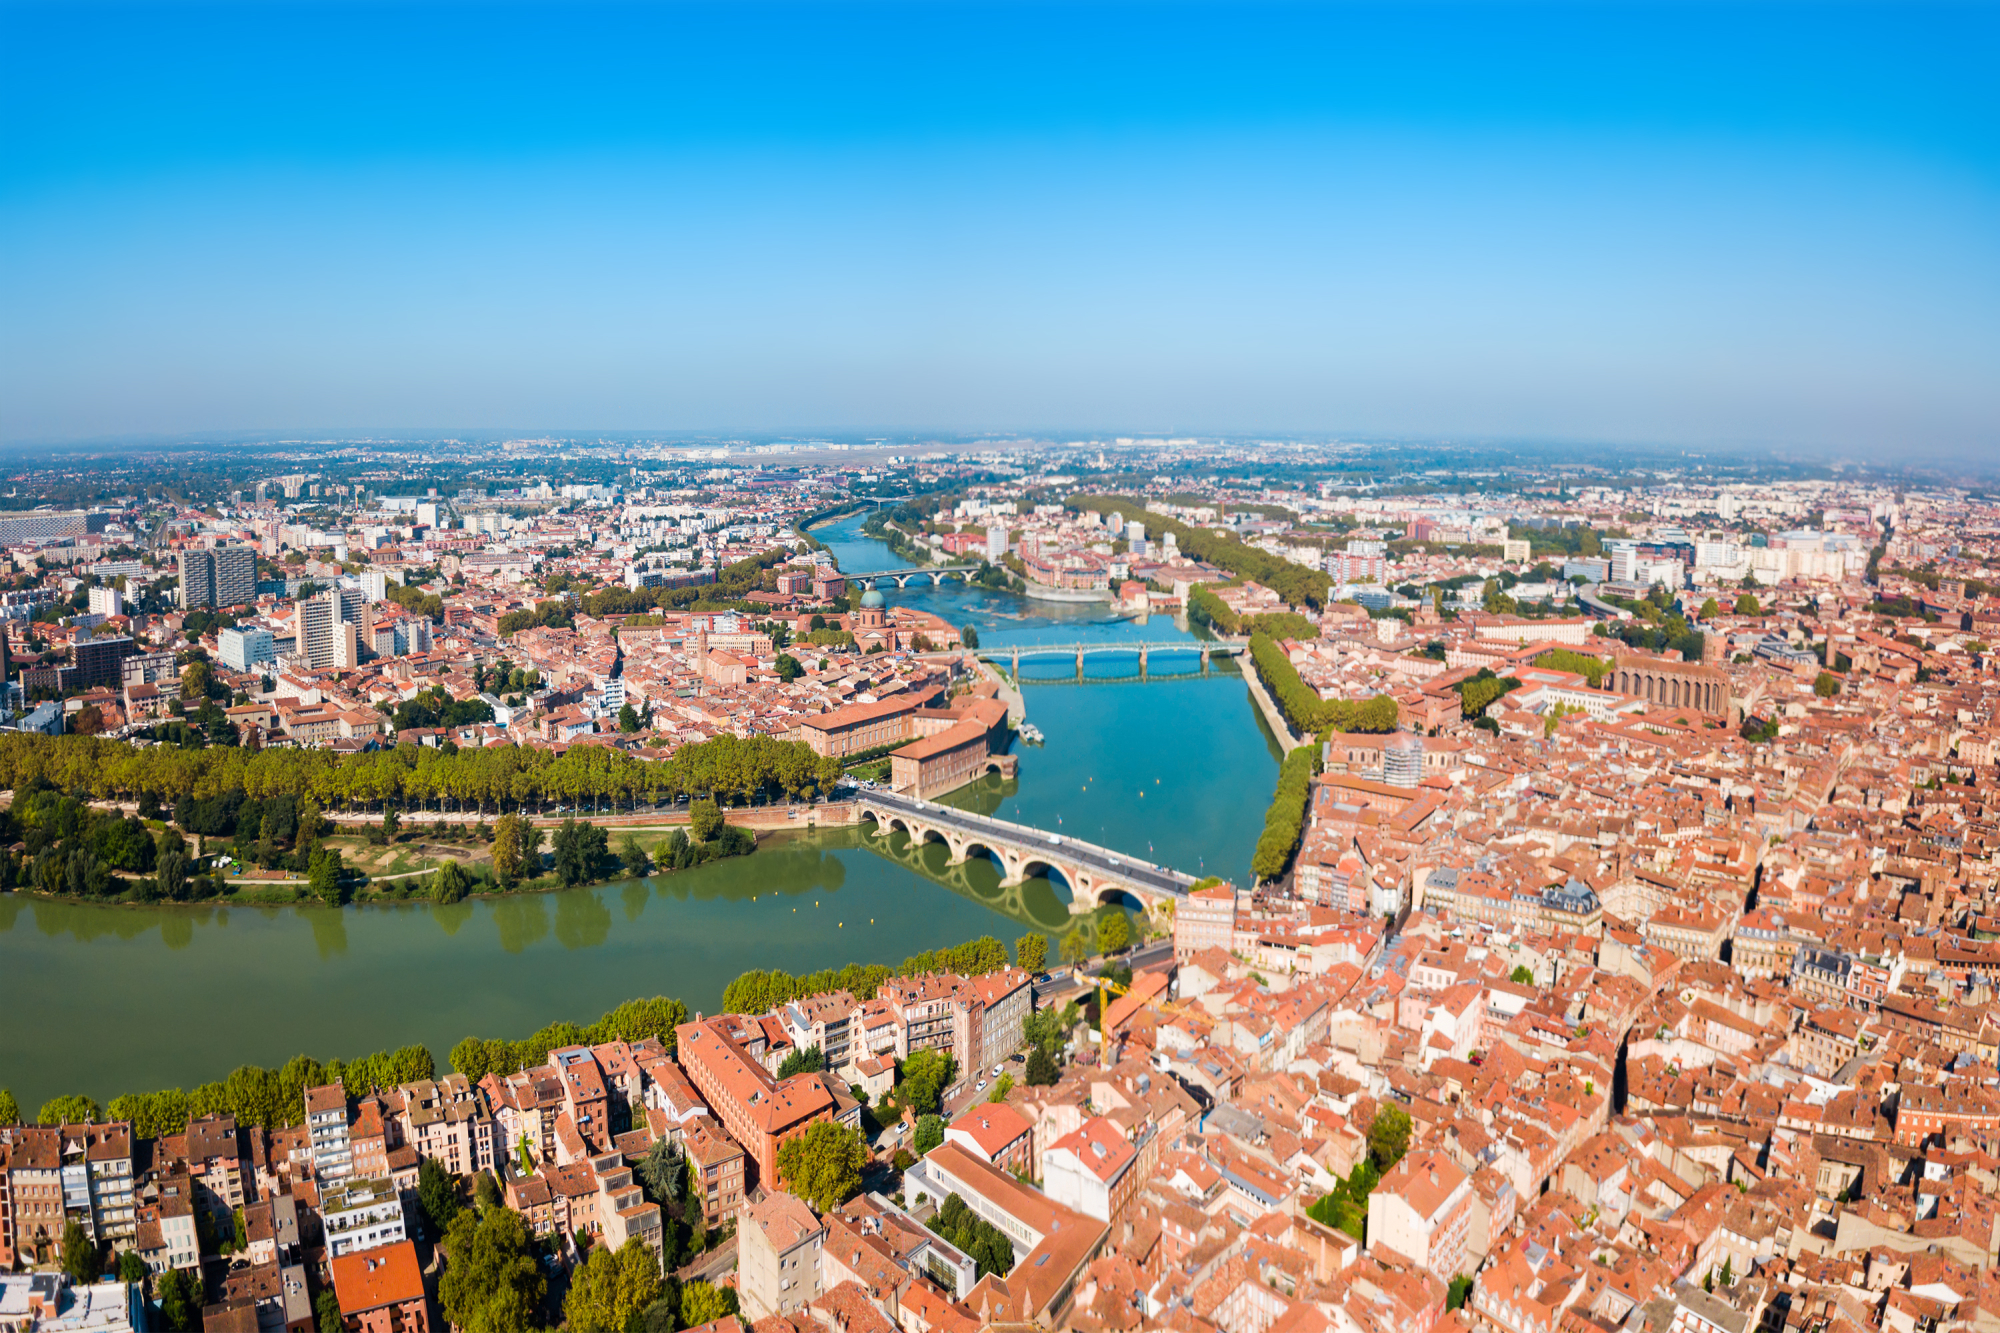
1096	875
935	573
1077	652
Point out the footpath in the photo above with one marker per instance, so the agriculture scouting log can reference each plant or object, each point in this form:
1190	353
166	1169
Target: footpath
1274	717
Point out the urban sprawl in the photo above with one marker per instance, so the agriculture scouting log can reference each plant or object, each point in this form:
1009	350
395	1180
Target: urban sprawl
1618	956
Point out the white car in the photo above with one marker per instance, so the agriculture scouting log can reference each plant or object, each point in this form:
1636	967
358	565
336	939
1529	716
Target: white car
982	1085
1055	839
996	1071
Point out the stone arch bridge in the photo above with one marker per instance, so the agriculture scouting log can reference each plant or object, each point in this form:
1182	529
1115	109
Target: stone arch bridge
937	574
1097	876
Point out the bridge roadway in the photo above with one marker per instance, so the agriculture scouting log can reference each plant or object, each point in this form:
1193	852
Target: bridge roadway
1093	872
936	573
1143	649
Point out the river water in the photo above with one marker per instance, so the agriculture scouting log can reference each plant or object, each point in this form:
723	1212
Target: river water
104	1000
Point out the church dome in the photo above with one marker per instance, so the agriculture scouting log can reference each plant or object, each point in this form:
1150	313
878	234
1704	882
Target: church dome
873	597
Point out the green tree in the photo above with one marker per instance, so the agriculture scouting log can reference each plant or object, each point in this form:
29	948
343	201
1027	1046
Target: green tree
1459	1292
1075	948
324	879
804	1060
1826	685
930	1133
492	1283
789	668
628	719
437	1193
131	1268
1031	952
197	679
1042	1070
659	1172
1522	975
579	847
391	824
73	1110
633	856
610	1290
326	1308
822	1165
968	635
704	820
82	1262
694	1210
925	1076
1746	605
486	1191
1048	1029
517	849
1709	611
179	1297
1001	1087
703	1304
1388	1136
450	884
10	1110
1115	932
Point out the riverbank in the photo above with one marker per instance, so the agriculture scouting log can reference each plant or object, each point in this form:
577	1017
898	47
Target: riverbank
187	992
1274	716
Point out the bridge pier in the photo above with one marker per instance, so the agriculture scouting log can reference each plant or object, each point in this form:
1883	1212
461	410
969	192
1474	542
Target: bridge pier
1079	661
1204	659
1017	667
1142	661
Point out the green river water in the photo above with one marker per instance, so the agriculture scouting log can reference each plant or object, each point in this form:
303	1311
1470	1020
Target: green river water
104	1000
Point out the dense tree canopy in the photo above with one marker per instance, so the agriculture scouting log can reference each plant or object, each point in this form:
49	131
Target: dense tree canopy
977	1238
268	1098
823	1165
634	1020
1297	584
491	1282
498	778
759	992
1304	709
1285	819
609	1289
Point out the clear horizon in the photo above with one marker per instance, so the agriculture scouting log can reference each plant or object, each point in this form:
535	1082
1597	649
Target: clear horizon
1679	227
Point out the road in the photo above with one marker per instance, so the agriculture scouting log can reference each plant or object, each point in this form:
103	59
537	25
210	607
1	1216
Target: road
1068	987
1143	873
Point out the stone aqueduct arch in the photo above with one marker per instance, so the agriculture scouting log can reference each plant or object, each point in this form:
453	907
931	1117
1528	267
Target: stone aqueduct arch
1020	860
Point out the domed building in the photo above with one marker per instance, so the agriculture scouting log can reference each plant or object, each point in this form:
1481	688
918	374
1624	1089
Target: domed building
877	626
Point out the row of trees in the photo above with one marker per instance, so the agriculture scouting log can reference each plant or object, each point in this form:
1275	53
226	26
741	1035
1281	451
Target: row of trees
1594	669
269	1098
275	1098
1205	609
1297	584
634	1020
1284	821
497	778
760	991
1309	714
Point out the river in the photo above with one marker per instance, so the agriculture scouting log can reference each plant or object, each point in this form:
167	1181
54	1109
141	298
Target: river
103	1000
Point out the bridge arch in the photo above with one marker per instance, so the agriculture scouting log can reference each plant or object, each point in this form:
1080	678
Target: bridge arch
1122	896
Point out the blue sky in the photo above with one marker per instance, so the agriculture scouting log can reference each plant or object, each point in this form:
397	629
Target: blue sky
1698	224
